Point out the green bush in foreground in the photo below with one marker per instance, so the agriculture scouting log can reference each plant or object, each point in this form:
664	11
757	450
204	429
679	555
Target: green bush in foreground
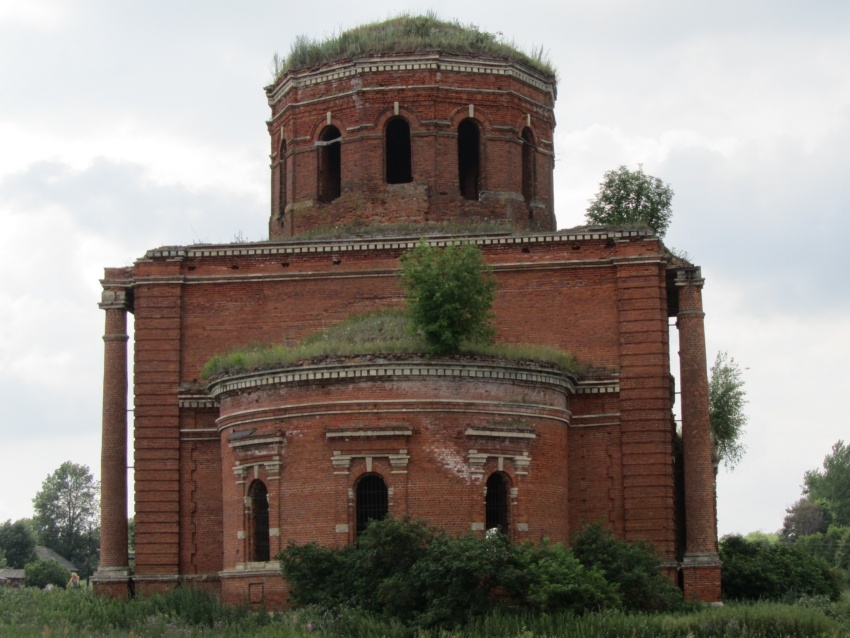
759	571
41	573
634	568
426	578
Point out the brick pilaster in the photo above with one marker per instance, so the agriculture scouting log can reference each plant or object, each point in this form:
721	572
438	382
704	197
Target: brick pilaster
701	563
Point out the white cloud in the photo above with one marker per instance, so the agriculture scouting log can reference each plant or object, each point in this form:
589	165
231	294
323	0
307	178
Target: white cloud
32	14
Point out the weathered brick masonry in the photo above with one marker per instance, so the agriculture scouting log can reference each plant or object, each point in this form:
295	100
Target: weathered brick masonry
227	475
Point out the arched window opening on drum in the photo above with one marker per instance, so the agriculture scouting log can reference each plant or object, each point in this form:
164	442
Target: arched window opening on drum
397	152
469	158
330	164
528	165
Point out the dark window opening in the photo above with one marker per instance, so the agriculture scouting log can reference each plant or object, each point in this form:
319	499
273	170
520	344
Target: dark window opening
372	500
468	158
398	152
330	164
527	165
281	168
496	502
259	539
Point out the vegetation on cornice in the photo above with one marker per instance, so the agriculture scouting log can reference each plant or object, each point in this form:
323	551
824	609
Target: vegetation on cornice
407	33
384	333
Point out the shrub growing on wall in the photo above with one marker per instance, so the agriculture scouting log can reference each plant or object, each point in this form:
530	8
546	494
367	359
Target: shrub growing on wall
450	293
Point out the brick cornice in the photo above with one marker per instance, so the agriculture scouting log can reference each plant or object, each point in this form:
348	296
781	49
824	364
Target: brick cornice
412	368
431	61
308	247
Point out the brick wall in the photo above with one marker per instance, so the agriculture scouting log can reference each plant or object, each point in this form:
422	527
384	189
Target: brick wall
601	296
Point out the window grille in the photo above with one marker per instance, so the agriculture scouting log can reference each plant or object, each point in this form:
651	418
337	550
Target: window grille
372	500
259	521
496	502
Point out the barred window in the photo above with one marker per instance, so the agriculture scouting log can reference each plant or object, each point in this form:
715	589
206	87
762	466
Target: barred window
372	500
259	523
496	502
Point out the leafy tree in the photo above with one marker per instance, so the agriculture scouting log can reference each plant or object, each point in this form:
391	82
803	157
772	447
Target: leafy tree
66	510
804	518
3	561
41	573
17	543
726	401
759	571
632	197
832	484
450	294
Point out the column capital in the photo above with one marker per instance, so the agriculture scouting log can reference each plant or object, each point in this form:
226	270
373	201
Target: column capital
115	299
690	276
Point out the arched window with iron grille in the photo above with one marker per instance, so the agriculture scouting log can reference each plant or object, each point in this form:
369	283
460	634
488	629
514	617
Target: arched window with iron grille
397	151
259	522
496	502
372	500
330	164
469	158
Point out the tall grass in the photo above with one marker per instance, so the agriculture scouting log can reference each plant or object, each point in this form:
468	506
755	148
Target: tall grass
383	333
407	33
31	612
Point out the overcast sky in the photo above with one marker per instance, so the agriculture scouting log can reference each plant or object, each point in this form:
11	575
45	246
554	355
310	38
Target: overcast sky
129	125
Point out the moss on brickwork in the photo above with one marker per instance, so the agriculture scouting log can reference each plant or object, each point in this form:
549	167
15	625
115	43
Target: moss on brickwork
383	333
407	34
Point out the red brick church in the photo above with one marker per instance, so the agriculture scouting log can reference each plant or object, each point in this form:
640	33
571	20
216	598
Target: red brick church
418	143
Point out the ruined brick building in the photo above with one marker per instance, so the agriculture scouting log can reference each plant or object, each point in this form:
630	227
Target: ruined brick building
228	474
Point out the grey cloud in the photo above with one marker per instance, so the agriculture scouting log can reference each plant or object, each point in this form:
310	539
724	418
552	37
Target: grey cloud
116	200
773	219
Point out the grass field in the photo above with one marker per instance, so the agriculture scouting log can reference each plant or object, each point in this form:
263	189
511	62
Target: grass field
32	612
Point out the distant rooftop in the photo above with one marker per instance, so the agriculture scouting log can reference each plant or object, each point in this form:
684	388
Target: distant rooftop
407	34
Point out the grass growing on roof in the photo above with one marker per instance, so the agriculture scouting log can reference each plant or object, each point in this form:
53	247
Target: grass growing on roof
378	333
407	33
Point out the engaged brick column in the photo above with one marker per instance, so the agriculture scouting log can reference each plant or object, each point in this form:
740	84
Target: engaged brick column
113	571
701	565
